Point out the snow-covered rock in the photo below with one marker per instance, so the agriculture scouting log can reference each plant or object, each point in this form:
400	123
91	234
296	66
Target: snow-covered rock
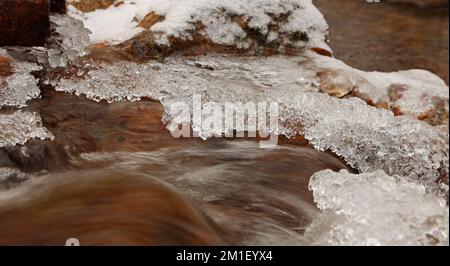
147	28
416	92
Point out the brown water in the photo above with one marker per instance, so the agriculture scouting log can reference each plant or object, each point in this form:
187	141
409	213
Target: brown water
136	184
114	174
388	37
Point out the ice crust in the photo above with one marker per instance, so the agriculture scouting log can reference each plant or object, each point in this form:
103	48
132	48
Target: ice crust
19	87
181	18
375	209
367	138
20	126
68	42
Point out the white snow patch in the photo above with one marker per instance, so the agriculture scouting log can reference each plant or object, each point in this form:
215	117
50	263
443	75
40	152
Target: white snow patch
119	23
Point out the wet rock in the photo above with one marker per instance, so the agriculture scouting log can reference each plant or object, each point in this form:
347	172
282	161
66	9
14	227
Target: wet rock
5	161
336	84
346	84
150	19
5	66
24	22
58	6
11	178
36	55
91	5
36	155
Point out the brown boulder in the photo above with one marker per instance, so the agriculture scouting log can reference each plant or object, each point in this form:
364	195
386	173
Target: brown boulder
24	22
58	6
5	66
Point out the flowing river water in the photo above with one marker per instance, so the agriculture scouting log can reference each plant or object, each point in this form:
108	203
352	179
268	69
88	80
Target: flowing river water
128	181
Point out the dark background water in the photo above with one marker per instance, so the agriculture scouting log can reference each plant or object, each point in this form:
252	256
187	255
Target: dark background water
388	37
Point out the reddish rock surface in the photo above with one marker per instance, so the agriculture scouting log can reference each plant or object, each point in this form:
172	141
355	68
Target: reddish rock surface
5	66
91	5
58	6
24	22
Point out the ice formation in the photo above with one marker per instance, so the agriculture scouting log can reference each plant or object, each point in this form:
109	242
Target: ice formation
20	126
291	23
68	41
376	209
366	137
178	78
370	139
19	87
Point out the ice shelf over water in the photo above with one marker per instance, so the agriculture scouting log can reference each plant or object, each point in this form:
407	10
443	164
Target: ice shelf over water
376	209
366	137
20	126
